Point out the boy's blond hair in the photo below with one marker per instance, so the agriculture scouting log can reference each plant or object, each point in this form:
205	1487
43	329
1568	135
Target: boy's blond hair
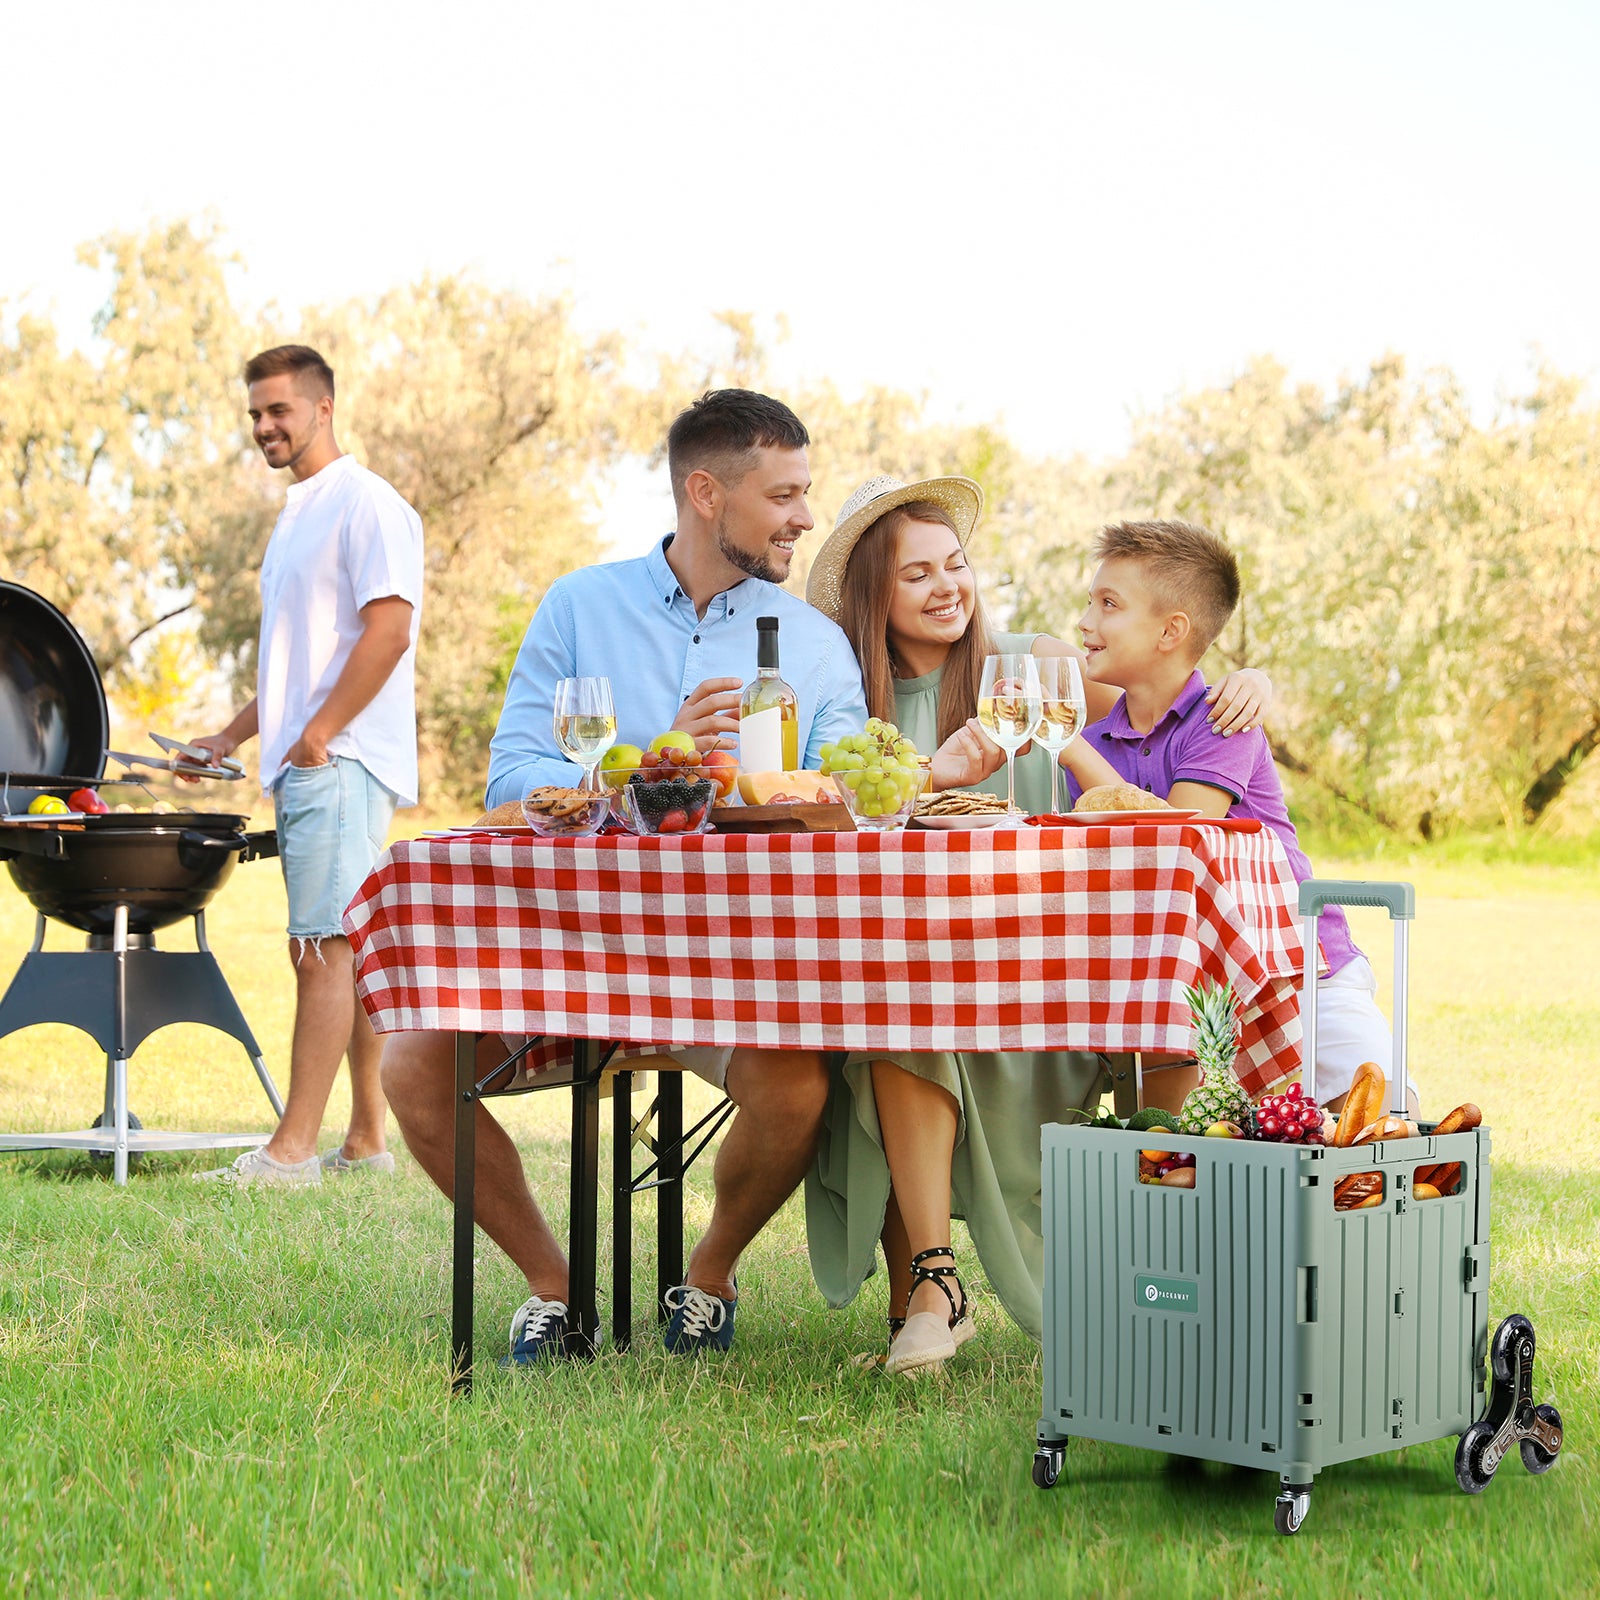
1188	567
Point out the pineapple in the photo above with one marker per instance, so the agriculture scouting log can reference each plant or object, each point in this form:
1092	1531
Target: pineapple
1220	1097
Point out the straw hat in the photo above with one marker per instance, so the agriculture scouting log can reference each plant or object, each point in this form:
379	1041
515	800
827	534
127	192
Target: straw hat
961	497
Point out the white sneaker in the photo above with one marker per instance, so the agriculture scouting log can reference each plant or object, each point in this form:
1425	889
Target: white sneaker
257	1167
335	1163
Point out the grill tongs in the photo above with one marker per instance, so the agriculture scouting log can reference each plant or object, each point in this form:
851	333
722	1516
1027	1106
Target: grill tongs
190	761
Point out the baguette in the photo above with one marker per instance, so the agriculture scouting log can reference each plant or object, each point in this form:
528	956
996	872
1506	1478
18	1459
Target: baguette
1445	1176
1384	1128
1362	1105
1356	1186
1462	1120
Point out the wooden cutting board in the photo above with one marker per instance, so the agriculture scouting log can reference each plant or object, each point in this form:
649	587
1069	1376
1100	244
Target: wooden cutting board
783	819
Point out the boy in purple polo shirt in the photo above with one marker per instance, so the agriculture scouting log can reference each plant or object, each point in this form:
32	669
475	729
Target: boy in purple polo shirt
1162	594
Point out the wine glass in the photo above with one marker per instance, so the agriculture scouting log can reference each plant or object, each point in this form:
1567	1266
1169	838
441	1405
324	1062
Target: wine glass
585	722
1063	712
1009	704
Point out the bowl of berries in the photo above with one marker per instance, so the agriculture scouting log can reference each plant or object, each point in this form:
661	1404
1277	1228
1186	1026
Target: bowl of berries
667	794
655	803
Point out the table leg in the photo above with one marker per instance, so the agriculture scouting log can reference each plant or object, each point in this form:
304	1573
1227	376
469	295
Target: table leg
466	1108
621	1210
584	1337
669	1186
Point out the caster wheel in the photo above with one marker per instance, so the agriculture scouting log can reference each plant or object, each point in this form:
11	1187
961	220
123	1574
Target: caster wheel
1534	1455
1291	1509
1470	1472
1047	1466
1502	1348
102	1121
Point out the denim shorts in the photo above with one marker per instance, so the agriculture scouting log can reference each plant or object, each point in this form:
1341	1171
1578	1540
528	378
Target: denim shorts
332	823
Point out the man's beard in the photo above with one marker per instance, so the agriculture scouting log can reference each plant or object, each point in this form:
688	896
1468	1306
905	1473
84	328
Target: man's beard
757	566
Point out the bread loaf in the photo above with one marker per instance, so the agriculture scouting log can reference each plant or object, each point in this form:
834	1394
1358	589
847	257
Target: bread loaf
1119	797
508	815
1384	1128
1461	1120
1363	1105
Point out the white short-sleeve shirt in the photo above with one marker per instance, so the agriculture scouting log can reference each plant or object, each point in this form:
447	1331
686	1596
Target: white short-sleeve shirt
344	538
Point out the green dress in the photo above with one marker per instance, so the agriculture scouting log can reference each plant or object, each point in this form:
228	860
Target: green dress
1003	1099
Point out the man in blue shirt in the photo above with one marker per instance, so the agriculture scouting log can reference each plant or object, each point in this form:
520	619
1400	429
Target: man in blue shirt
675	632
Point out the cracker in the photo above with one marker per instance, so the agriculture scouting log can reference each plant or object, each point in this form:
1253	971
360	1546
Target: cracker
960	803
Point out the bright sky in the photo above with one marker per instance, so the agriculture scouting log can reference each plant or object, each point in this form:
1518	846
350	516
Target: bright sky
1056	214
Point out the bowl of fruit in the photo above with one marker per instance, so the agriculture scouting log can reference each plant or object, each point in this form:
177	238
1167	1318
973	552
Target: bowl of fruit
878	775
670	788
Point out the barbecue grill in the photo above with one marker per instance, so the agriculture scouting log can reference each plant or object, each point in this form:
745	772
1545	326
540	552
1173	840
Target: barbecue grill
117	877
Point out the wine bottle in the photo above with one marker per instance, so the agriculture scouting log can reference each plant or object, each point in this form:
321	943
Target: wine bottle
769	711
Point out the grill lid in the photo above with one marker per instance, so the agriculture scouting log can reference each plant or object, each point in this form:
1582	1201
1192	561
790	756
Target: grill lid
53	718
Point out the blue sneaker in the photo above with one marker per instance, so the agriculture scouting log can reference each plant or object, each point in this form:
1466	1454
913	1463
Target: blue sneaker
538	1334
699	1321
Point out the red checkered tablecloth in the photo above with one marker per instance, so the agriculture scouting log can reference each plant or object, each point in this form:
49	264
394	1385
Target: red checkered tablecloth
1001	939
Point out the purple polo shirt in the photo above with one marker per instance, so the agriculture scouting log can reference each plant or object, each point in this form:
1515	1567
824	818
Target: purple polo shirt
1181	748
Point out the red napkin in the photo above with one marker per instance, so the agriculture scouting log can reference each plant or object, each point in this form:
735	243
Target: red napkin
1147	819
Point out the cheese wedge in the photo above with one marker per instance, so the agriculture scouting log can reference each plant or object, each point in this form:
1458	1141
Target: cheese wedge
777	788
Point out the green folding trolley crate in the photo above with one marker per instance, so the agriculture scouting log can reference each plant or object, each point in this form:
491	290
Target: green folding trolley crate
1247	1321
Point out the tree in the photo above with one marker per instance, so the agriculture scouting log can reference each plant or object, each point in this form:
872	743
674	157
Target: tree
1419	587
493	416
124	490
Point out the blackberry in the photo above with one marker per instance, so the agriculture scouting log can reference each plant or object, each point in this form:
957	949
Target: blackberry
655	800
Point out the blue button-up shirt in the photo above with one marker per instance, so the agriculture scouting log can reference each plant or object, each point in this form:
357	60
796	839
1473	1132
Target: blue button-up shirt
629	621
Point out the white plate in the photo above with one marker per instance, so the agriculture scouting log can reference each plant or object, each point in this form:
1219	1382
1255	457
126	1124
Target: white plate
1090	819
511	830
992	819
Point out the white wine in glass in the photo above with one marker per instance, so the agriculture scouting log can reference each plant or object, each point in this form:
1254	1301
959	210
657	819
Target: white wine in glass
585	722
1009	704
1062	713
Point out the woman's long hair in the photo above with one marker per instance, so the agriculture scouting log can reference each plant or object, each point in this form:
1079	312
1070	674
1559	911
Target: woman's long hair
868	587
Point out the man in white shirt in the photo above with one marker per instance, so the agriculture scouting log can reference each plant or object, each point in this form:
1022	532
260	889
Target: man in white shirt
335	707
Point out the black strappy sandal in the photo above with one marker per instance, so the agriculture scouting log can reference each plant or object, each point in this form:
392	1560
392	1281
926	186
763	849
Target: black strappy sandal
926	1340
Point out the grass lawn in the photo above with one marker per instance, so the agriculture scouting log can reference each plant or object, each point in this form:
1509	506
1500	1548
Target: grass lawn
204	1392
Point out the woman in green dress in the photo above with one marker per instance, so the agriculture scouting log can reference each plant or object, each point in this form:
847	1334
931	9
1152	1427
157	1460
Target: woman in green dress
912	1139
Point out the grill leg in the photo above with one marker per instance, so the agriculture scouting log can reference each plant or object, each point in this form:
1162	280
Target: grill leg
119	1063
461	1285
266	1083
119	1080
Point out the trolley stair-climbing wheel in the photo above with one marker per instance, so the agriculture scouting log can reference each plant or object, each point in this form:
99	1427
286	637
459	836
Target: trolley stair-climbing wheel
1513	1417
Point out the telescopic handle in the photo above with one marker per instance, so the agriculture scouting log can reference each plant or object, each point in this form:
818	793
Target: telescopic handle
1400	901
